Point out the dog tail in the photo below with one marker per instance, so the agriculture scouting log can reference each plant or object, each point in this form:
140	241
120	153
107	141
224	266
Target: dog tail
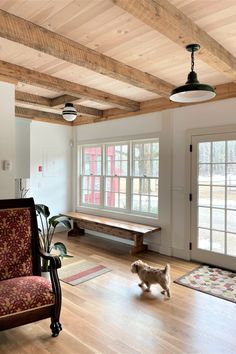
167	269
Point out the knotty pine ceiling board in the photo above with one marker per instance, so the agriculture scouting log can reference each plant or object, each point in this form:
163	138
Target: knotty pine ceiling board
108	29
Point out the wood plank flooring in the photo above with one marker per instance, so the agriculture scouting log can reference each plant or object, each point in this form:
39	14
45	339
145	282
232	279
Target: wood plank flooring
110	314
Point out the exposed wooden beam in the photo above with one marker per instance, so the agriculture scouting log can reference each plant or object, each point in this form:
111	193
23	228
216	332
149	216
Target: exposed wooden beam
40	116
31	35
36	78
88	111
223	91
61	100
174	24
29	98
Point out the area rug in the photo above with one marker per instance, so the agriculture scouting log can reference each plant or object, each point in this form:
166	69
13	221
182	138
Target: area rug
214	281
80	271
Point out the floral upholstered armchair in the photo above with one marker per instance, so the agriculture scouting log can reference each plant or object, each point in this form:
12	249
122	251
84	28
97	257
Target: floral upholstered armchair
25	296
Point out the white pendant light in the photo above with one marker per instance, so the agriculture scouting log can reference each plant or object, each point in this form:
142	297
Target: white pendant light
69	112
193	90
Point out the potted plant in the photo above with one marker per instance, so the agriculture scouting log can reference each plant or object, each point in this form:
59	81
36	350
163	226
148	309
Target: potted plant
46	231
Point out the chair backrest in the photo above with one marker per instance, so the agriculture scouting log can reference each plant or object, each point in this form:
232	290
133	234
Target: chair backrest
18	238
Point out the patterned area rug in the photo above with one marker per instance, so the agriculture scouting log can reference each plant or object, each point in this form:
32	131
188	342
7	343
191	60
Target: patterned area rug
80	271
214	281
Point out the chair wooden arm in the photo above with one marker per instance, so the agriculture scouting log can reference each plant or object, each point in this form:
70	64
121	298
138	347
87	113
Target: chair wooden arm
55	261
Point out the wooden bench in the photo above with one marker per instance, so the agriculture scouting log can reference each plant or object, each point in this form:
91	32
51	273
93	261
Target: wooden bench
123	229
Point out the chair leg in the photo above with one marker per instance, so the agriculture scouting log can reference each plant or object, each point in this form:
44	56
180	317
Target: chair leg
55	328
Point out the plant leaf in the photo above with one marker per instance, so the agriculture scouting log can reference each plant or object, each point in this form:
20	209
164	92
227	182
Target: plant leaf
42	209
59	246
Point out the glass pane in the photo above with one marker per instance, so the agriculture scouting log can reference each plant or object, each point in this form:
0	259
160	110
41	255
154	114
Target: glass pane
204	217
218	219
204	151
154	187
137	151
231	244
231	151
231	220
147	168
204	195
136	202
123	185
218	241
92	160
155	150
144	203
97	184
138	168
154	168
124	167
153	205
204	237
218	174
108	184
117	171
218	151
218	197
136	185
204	174
122	201
145	186
231	197
231	174
147	150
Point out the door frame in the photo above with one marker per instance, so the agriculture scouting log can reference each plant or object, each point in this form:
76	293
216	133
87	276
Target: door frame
191	133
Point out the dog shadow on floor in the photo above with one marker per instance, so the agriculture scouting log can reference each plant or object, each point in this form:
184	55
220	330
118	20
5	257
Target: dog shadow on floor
152	296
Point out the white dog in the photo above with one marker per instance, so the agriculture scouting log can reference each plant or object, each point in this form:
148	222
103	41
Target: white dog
150	275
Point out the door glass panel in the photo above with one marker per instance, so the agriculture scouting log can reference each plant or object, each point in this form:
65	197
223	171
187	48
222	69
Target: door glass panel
231	220
204	152
204	174
204	236
218	174
231	151
216	196
204	217
218	241
218	219
204	196
231	197
231	244
218	151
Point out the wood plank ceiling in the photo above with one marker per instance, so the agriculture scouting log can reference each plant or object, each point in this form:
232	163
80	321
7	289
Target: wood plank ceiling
112	58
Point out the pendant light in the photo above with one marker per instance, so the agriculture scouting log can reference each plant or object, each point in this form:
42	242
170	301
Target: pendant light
69	112
192	91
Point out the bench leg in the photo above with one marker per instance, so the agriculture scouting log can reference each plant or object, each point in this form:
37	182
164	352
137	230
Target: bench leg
138	245
76	231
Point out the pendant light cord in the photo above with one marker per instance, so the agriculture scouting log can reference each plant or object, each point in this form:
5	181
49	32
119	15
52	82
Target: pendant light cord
192	60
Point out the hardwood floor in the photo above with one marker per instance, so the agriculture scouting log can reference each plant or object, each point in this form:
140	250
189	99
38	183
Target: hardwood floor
110	314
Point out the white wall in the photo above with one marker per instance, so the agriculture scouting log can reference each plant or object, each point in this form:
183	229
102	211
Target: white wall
22	148
7	139
173	127
157	124
51	148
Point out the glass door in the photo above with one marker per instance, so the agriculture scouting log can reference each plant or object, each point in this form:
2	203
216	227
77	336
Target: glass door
213	208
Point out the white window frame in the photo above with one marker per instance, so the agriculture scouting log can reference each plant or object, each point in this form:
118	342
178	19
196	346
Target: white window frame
109	211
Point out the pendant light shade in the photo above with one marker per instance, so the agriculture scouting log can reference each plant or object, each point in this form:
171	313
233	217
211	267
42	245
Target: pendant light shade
193	90
69	112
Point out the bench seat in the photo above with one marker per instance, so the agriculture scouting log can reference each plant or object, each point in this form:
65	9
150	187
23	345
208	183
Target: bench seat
119	228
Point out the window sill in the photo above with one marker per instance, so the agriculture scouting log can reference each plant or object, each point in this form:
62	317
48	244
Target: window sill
142	219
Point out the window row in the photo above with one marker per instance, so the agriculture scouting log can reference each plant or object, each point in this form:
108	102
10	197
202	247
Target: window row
120	176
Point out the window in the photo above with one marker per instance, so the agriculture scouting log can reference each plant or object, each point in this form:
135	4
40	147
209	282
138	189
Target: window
122	177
